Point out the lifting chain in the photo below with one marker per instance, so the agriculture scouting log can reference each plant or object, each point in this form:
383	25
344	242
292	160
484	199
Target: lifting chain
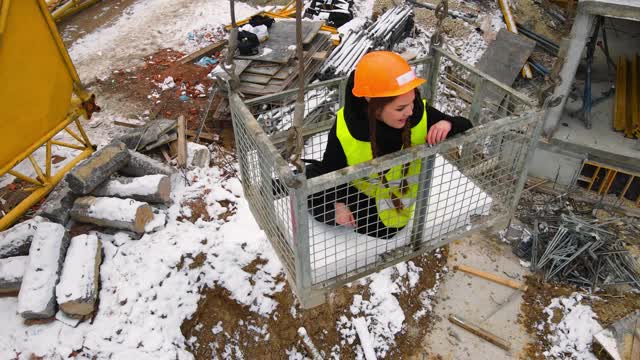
441	12
295	141
232	81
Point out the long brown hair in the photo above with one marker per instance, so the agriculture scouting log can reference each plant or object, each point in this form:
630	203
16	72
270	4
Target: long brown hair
374	109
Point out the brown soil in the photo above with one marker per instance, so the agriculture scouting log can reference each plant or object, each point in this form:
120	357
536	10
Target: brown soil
608	306
198	210
140	88
217	307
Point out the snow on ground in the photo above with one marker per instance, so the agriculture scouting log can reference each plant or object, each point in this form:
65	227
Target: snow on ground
145	295
164	24
149	286
571	337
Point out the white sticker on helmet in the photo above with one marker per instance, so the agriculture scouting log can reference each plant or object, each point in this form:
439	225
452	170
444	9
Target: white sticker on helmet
406	78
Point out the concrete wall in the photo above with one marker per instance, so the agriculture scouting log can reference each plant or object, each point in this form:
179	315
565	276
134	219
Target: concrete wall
551	165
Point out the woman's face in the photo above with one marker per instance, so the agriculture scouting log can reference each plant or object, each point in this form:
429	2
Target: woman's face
396	113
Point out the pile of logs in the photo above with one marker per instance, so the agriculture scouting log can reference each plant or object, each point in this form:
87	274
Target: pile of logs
47	268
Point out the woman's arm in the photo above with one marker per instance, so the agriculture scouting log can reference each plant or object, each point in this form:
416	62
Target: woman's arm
459	124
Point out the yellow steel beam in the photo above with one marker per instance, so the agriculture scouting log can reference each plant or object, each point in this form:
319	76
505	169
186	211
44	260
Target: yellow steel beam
67	145
37	169
74	135
620	110
25	178
68	10
41	192
4	13
48	159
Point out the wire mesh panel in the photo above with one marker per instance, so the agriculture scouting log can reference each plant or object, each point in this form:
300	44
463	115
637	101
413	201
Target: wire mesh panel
337	227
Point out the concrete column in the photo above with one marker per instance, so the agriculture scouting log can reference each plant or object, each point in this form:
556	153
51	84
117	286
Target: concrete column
580	32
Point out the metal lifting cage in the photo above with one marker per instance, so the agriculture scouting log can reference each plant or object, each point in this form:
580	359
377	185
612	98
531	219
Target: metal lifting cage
469	182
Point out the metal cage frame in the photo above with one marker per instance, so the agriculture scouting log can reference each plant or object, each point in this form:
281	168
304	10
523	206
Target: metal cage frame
503	119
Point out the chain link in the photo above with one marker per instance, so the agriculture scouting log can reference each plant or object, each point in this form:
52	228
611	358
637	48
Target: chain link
441	12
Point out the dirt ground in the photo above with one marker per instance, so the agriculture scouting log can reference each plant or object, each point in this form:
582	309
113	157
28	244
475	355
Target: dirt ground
240	324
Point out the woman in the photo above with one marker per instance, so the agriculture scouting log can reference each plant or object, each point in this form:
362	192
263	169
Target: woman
383	113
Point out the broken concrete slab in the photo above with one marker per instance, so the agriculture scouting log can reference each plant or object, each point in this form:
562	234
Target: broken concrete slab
141	165
162	140
148	188
112	212
198	155
77	291
150	133
11	273
17	240
37	298
58	203
99	167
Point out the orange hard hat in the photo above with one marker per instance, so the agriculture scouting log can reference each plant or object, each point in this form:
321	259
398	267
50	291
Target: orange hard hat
383	74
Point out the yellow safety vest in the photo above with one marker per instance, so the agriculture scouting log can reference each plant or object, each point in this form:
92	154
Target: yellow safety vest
357	151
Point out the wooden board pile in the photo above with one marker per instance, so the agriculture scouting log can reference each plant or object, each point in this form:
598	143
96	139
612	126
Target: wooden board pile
275	68
48	269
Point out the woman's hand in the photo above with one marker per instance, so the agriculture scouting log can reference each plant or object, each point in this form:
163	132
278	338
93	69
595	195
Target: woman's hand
438	132
344	215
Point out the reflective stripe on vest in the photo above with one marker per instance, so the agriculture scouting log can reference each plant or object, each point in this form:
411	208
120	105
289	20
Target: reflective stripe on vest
357	151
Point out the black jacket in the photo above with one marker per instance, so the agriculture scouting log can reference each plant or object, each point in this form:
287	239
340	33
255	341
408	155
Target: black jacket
389	140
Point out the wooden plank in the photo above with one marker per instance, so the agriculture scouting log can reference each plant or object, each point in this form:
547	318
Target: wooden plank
634	101
480	332
182	142
203	135
254	78
263	69
127	124
217	46
491	277
620	110
284	73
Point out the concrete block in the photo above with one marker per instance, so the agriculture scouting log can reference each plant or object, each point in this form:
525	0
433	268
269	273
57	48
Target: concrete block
77	291
141	165
58	204
37	298
99	167
17	240
149	188
198	155
11	273
116	213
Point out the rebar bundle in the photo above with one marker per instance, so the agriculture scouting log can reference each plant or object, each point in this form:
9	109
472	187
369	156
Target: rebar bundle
382	35
583	253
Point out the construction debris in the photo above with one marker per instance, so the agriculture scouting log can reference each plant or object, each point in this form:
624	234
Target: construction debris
385	32
491	277
92	172
77	291
149	188
11	273
480	332
37	298
622	339
58	203
335	12
581	252
198	155
506	56
141	165
17	240
112	212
